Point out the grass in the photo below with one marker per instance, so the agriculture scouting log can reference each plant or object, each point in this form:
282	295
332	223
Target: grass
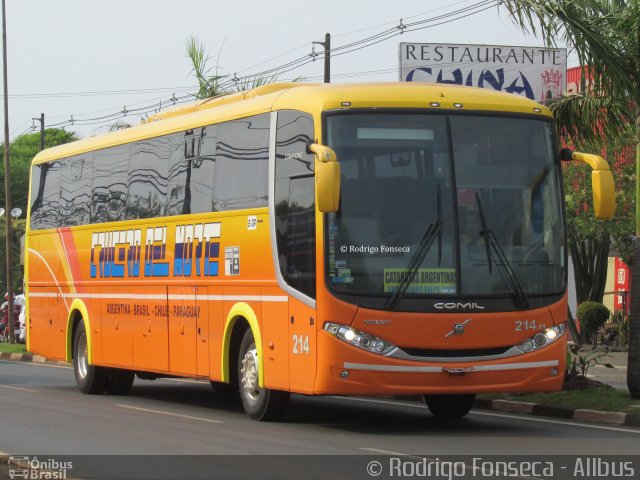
12	348
595	398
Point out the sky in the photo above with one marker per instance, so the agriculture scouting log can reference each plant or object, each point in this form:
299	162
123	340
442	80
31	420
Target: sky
90	59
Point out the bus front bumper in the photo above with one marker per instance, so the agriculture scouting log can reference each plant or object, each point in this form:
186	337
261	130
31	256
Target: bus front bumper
347	370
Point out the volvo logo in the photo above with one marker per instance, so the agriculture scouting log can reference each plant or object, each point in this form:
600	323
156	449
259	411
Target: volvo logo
378	322
458	328
458	306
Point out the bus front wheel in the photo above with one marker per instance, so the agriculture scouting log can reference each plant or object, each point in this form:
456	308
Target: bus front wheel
259	403
90	379
449	406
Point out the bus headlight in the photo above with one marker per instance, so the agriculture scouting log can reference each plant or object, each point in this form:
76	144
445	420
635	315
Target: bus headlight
359	339
543	339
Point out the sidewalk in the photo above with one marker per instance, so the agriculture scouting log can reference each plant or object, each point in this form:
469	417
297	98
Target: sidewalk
616	377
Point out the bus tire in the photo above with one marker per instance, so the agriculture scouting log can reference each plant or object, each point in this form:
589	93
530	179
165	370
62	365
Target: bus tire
90	378
259	403
449	406
118	381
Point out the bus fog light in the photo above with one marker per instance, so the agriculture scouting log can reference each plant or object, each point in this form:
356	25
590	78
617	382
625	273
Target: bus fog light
344	374
554	372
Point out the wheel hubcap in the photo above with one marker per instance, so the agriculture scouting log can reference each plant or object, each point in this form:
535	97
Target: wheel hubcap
83	362
249	373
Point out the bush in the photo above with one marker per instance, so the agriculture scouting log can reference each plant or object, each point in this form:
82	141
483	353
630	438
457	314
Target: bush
592	316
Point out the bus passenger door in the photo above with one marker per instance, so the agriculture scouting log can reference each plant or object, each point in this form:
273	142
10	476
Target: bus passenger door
183	315
150	331
302	346
116	312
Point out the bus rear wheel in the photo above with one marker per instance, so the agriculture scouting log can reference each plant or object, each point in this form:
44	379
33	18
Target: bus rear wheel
259	403
118	381
449	406
90	379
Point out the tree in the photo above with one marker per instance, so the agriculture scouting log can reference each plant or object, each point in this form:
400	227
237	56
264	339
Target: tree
589	241
21	153
605	34
23	149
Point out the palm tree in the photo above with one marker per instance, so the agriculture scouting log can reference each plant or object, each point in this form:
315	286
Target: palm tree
216	85
606	37
209	85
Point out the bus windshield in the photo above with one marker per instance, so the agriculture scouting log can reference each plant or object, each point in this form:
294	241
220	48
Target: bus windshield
445	205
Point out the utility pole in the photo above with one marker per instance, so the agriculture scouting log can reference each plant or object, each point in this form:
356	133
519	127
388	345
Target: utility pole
41	120
7	182
327	56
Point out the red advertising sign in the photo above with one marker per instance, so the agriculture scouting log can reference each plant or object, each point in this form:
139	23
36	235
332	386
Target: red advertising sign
622	283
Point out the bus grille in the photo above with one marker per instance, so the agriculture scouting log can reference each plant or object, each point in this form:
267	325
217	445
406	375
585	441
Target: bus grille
478	352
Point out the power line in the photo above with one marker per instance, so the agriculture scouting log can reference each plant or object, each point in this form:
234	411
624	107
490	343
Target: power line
287	67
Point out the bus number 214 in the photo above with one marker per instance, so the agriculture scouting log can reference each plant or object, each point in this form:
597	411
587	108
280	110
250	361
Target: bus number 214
300	344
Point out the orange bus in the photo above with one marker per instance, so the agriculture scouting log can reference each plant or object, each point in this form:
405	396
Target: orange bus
355	239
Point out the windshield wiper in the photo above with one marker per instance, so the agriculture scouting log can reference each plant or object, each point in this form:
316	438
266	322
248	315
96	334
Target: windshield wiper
433	230
415	262
520	298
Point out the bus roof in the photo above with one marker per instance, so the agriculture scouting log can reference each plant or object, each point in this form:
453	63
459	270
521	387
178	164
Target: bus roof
309	97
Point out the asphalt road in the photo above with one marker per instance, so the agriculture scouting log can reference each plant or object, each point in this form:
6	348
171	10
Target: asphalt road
42	413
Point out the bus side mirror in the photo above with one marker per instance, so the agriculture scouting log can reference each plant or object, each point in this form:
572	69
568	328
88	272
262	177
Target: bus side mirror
327	178
604	193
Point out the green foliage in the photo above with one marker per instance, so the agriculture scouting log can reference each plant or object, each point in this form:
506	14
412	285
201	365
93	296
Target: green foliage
209	85
580	360
592	316
604	34
589	240
212	84
619	337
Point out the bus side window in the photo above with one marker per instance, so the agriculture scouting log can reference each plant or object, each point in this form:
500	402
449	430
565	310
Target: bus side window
45	211
147	179
242	164
75	190
109	186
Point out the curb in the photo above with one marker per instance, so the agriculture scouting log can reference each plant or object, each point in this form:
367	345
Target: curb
28	358
579	415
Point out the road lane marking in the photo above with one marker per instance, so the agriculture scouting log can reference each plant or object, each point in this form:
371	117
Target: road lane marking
491	414
22	389
170	414
383	452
